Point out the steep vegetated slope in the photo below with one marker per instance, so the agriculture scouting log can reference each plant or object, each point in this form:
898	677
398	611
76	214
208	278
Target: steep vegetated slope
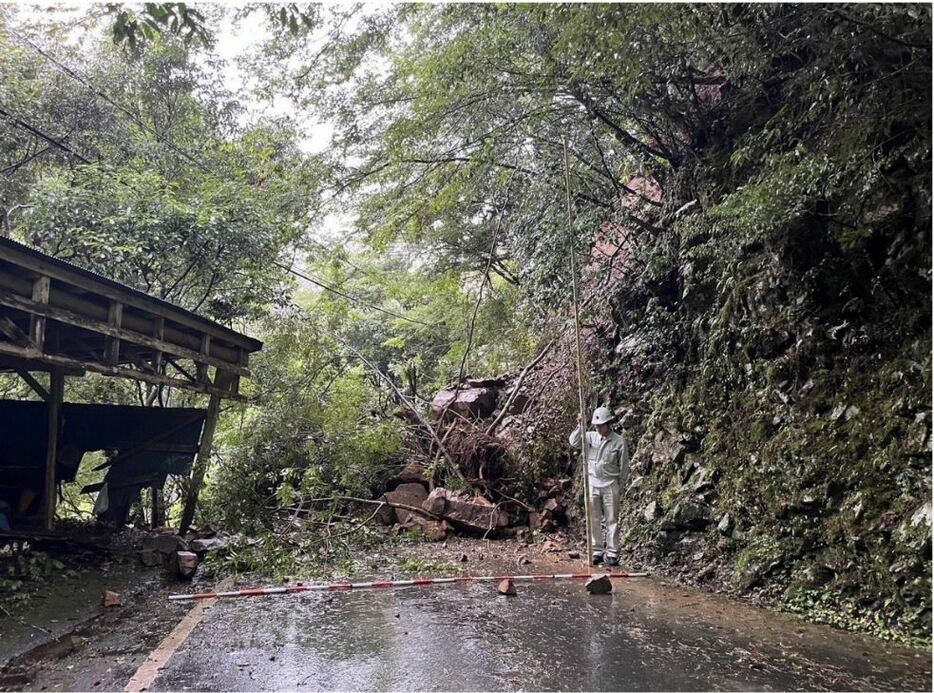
769	340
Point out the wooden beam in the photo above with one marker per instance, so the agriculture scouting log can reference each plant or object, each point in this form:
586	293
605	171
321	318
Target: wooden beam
12	331
34	384
111	342
116	371
74	276
40	295
120	333
60	298
221	379
56	395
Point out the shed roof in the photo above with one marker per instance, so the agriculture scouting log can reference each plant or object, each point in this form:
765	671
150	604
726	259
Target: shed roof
54	314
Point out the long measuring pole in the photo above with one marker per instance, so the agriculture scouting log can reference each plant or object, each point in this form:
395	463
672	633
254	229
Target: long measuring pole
580	357
393	584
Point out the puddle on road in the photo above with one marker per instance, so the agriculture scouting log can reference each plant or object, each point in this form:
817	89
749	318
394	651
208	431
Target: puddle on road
553	636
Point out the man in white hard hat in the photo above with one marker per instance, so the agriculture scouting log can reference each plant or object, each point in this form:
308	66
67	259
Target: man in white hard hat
607	470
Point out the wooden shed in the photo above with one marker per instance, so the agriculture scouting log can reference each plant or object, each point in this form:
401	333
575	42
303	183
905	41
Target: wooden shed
65	320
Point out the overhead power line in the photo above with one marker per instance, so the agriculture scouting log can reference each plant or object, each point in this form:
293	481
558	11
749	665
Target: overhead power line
359	301
103	95
58	144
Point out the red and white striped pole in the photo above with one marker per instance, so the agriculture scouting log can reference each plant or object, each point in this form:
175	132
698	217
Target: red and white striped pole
388	584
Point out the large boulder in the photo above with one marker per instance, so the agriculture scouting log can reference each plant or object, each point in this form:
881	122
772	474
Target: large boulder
412	473
165	544
386	514
473	514
471	402
407	494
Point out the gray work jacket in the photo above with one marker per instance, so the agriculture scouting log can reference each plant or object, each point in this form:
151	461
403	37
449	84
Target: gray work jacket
607	458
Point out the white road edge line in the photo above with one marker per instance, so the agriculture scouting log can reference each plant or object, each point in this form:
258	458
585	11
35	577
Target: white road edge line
160	656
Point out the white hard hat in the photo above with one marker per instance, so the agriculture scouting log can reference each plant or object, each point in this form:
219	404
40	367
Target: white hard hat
602	415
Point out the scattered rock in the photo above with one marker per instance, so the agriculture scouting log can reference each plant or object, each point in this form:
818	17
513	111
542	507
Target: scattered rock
436	501
837	412
464	558
702	479
407	494
651	511
472	402
599	585
506	587
667	450
150	557
725	524
185	563
574	554
690	513
202	546
412	473
112	599
386	514
166	544
922	514
475	514
434	531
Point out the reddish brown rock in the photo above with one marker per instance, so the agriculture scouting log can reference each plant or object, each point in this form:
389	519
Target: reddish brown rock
407	494
434	531
506	587
472	402
436	501
112	599
385	514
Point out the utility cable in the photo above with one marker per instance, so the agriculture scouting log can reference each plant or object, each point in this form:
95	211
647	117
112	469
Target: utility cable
349	297
20	123
102	95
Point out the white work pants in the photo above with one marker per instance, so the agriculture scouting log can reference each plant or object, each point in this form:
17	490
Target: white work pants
604	511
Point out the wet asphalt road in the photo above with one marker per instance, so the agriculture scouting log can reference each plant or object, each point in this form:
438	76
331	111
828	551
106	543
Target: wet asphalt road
552	636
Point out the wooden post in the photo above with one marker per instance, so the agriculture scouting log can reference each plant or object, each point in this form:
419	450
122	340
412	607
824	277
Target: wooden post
158	331
40	294
200	365
222	380
56	395
112	344
156	506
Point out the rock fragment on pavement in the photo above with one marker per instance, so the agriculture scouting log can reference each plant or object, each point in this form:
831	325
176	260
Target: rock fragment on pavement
506	587
112	598
600	585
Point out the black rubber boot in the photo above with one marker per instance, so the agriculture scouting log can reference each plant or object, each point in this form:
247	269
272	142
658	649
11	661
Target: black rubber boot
597	560
612	560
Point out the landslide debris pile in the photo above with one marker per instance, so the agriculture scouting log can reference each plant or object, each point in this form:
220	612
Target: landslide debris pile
487	493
